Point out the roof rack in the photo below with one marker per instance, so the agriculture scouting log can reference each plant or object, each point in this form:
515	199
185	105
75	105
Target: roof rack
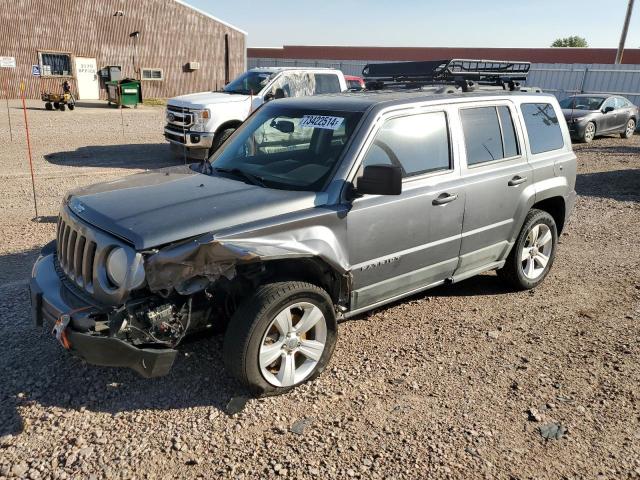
463	73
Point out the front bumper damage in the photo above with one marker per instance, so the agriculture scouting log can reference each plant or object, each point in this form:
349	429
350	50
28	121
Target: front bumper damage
51	299
178	277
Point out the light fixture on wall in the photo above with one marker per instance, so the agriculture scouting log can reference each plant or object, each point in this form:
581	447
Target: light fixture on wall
119	13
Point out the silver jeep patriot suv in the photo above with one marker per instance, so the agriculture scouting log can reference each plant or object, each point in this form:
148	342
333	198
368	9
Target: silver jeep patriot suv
315	210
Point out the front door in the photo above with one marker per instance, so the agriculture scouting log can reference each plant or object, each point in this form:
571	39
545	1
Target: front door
399	244
608	121
87	78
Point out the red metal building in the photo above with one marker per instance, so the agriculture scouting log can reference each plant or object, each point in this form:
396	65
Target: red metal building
534	55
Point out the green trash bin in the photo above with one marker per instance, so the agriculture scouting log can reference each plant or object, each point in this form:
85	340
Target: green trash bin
124	92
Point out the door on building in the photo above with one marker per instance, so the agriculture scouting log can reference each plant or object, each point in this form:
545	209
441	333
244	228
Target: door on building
87	77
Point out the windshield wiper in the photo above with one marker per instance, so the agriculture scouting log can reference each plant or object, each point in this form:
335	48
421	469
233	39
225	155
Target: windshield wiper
253	179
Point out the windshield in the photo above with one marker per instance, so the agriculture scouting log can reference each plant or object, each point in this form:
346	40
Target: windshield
249	82
582	103
287	148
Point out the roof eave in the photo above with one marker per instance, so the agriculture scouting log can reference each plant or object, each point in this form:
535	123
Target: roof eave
208	15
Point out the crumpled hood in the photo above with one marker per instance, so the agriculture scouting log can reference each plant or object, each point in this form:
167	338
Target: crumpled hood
203	99
569	113
158	207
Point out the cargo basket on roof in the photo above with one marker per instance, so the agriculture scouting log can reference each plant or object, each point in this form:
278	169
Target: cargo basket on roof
463	73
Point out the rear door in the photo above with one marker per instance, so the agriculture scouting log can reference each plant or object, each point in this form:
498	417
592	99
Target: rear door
399	244
623	114
497	176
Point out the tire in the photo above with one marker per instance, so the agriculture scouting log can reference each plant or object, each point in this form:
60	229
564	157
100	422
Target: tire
71	106
56	105
48	106
589	133
254	329
524	268
629	129
219	138
62	107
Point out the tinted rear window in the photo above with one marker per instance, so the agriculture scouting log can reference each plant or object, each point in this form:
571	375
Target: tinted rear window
481	134
543	127
508	133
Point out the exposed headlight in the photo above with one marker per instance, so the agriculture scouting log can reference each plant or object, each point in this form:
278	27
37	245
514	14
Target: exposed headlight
117	267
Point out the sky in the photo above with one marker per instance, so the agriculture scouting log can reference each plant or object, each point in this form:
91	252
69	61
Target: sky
425	23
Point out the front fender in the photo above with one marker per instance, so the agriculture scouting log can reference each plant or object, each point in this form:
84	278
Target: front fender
192	265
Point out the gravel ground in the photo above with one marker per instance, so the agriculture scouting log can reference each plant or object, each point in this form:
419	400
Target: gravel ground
458	382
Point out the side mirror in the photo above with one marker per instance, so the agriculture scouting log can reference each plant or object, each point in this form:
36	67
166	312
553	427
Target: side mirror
380	180
268	97
607	110
279	93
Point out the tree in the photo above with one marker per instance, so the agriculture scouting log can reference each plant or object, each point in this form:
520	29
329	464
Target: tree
574	41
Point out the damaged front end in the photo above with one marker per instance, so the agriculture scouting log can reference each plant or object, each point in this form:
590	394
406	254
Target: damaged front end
190	286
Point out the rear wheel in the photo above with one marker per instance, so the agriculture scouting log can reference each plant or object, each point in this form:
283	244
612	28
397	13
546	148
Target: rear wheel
56	105
630	129
219	138
280	337
62	107
533	253
589	132
48	106
72	106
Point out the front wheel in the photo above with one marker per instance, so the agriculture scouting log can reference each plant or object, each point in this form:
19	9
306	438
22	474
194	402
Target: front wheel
281	336
532	254
630	129
589	132
219	138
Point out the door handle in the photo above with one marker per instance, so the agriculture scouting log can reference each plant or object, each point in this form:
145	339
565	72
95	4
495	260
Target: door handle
517	180
444	198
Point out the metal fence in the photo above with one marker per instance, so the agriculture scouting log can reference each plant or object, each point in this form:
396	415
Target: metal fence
557	78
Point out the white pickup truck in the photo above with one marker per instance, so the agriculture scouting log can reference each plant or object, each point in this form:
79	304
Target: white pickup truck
198	123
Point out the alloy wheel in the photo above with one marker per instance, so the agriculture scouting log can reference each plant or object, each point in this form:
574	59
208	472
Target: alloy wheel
631	128
293	344
589	132
536	251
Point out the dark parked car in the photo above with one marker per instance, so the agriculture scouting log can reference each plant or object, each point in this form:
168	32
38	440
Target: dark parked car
591	115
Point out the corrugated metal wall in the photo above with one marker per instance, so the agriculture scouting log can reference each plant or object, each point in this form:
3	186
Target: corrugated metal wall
557	78
171	35
566	79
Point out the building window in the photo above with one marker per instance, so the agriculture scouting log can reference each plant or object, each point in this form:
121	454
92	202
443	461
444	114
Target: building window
55	64
152	74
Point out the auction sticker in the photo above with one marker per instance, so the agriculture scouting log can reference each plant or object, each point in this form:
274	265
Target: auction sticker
321	121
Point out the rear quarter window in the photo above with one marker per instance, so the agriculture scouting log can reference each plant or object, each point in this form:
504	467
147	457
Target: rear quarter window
327	83
543	128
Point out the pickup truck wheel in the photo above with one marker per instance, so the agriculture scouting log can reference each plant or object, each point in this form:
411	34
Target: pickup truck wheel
532	255
280	337
630	129
219	138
